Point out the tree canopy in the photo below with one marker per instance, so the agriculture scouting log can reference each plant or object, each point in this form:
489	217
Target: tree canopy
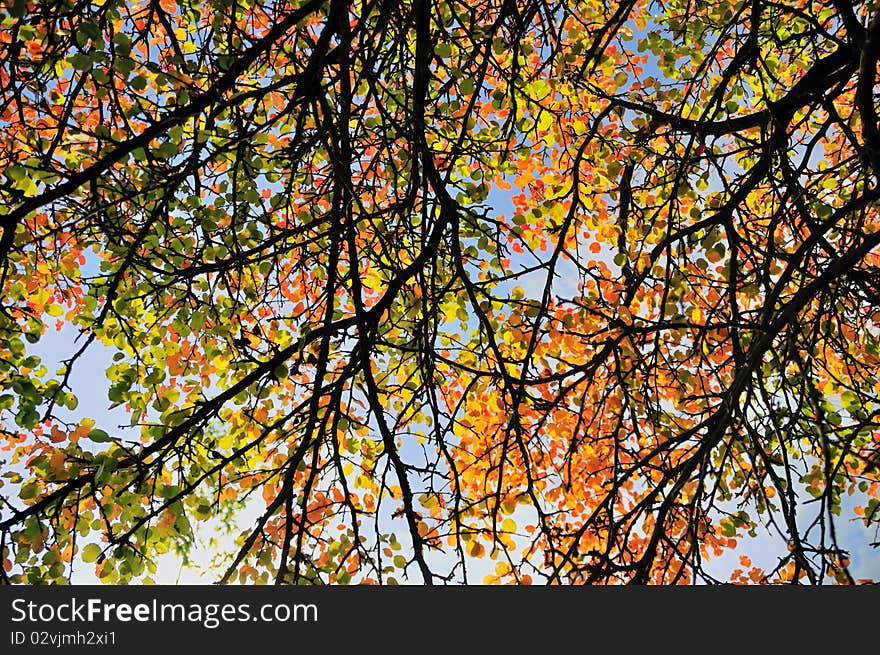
516	291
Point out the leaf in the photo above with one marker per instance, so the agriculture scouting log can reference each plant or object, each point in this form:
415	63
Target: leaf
91	552
138	83
99	436
545	121
81	61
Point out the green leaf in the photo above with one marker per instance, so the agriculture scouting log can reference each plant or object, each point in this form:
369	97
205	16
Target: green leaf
91	553
443	50
27	418
17	9
99	436
80	61
28	491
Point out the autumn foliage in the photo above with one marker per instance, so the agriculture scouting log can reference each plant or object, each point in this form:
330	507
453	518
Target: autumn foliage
513	291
